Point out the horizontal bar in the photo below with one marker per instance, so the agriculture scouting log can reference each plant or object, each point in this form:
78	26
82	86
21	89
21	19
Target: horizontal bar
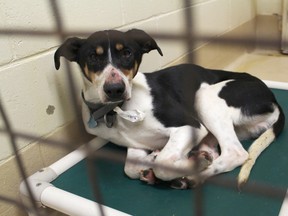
266	42
276	85
76	156
74	205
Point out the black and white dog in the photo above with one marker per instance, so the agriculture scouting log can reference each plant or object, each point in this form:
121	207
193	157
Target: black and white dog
174	117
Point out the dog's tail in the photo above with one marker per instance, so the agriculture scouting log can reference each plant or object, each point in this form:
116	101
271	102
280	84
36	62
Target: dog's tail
259	145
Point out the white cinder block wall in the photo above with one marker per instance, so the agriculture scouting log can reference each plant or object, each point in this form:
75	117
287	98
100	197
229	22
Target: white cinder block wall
35	95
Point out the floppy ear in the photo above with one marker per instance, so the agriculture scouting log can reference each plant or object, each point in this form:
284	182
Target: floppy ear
146	42
68	50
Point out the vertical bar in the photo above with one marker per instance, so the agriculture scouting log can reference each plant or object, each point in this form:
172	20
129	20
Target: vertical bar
198	195
94	183
198	204
284	37
92	174
72	89
189	33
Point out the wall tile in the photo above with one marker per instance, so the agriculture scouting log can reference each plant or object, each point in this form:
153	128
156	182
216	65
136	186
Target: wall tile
68	133
36	96
5	42
241	11
143	9
10	178
14	211
211	17
91	15
6	51
36	16
167	24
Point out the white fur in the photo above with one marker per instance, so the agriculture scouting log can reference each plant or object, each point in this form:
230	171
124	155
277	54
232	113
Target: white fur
147	134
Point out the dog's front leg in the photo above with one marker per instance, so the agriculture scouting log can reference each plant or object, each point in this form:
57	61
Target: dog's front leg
175	160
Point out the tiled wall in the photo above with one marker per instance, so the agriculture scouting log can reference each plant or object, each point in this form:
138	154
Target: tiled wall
35	94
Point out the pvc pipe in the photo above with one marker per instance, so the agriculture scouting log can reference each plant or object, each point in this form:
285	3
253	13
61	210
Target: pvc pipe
76	156
74	205
276	85
68	161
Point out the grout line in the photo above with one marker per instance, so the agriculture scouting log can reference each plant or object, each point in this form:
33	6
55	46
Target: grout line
27	59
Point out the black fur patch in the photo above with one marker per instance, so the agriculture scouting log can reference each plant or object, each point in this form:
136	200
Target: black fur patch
249	94
173	90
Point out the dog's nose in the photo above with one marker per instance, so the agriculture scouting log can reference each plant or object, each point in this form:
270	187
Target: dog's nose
114	90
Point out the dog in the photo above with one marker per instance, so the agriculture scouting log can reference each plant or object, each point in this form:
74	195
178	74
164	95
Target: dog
181	124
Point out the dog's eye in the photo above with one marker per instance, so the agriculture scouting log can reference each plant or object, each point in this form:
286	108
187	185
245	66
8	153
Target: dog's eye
126	53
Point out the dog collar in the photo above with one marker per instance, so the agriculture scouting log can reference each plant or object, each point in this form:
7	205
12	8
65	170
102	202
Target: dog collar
101	112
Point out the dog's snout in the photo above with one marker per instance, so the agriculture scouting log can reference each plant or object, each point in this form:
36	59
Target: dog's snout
114	91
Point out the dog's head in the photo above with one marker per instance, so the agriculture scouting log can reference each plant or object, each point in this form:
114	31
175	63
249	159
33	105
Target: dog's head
109	60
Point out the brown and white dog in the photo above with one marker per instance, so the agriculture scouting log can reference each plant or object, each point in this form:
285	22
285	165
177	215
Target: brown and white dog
162	117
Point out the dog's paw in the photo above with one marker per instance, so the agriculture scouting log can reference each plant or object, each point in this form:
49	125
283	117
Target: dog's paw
202	159
148	176
179	183
185	183
194	181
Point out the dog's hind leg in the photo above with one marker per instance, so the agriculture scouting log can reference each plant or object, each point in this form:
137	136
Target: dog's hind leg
210	145
218	119
232	155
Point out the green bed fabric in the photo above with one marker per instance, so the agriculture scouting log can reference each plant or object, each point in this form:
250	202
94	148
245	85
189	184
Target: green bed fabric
137	198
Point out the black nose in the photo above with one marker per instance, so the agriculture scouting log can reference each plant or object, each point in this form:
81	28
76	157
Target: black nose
114	90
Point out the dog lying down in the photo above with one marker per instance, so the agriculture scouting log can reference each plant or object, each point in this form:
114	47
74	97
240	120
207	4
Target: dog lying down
185	111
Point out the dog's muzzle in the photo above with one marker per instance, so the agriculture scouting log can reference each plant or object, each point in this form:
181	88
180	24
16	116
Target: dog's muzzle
115	91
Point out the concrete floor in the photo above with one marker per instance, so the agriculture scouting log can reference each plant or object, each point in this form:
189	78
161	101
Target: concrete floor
271	66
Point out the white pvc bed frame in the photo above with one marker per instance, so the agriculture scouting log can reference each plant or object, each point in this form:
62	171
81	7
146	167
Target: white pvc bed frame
48	195
74	205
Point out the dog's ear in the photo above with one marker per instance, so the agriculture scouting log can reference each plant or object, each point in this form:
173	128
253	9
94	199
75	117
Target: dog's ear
68	50
146	42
